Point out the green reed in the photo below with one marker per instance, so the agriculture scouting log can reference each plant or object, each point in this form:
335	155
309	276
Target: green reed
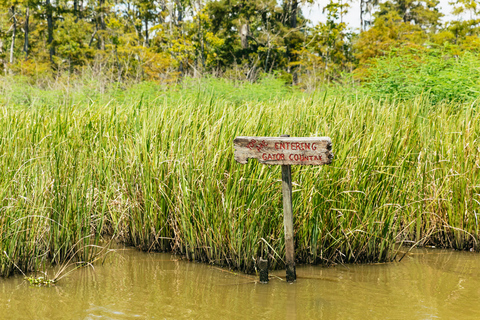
160	174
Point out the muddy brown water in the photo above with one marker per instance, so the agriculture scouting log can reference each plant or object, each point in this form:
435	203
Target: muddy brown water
427	284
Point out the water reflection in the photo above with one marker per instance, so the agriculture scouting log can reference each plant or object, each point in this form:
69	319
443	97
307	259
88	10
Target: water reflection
433	284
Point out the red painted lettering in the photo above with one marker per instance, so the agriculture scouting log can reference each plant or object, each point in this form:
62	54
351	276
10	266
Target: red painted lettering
314	147
261	145
251	144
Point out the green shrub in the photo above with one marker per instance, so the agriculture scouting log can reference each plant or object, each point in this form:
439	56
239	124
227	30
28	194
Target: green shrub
432	73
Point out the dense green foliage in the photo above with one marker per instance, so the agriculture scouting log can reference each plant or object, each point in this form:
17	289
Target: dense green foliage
434	74
166	40
154	167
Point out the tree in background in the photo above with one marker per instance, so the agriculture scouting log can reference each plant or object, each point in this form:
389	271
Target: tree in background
464	32
398	23
328	49
163	40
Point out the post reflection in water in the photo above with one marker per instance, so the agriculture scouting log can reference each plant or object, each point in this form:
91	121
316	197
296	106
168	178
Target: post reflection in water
427	284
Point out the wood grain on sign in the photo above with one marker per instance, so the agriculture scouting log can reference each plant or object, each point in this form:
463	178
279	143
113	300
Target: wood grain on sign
312	151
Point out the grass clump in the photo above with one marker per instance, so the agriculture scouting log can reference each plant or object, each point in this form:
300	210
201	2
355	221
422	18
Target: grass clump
156	170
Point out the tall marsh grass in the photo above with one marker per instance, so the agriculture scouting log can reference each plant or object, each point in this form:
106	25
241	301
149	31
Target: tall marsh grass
157	171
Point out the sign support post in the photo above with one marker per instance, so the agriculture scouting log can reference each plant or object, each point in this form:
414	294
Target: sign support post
285	151
288	220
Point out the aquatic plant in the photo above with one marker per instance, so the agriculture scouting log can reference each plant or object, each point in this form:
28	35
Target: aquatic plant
40	281
157	171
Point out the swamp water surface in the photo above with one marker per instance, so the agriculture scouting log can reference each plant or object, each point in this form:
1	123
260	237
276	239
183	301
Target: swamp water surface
426	284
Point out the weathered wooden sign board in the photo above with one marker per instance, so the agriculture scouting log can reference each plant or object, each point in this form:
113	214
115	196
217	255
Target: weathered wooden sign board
285	151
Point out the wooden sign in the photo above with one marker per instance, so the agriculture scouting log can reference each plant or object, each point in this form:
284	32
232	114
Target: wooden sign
284	150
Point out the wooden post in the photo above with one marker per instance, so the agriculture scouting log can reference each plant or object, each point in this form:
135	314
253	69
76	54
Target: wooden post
285	151
288	220
263	267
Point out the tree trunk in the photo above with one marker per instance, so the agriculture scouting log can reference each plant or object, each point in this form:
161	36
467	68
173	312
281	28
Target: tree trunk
80	8
25	45
244	33
177	22
362	4
200	30
2	62
179	11
103	26
203	52
146	31
293	25
293	14
14	33
75	10
50	29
